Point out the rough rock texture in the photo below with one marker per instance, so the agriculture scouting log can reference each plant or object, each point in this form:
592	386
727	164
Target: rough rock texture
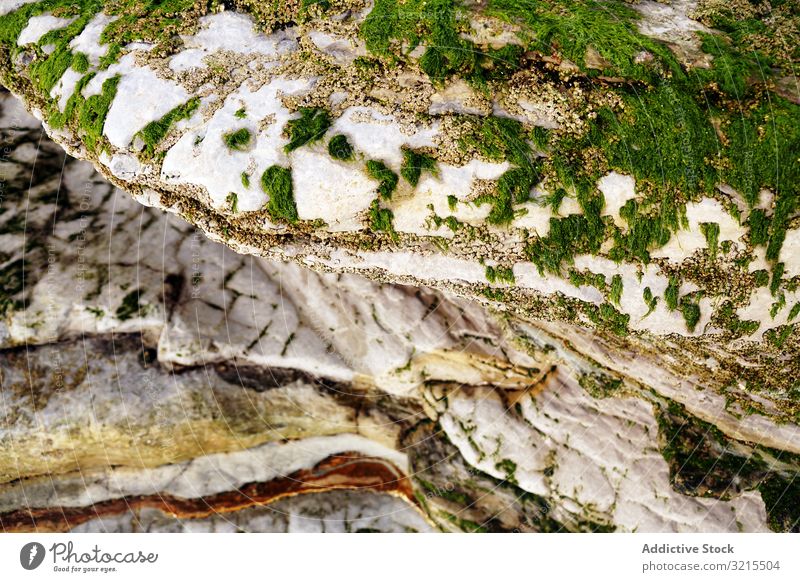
177	409
618	181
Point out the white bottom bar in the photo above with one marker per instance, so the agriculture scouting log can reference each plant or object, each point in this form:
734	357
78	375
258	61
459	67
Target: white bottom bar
390	557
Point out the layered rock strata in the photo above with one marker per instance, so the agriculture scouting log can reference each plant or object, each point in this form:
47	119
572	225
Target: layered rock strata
153	380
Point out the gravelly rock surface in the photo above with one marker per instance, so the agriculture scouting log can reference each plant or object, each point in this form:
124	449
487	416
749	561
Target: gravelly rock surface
150	376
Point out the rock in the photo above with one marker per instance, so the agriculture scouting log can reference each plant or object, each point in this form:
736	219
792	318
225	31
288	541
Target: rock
589	214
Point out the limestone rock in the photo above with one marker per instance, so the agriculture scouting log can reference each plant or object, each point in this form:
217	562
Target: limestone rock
611	206
346	384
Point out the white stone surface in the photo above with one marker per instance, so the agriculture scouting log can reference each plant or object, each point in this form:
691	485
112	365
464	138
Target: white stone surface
88	41
229	31
142	97
412	213
378	136
603	458
685	242
790	252
11	5
65	87
336	192
201	156
40	25
617	189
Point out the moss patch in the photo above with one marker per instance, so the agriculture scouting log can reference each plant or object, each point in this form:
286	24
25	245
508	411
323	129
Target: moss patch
339	148
130	306
704	462
388	179
308	128
155	131
380	219
237	140
500	274
497	139
277	183
414	163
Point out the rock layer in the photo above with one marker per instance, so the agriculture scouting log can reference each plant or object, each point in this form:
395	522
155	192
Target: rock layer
597	184
609	200
119	413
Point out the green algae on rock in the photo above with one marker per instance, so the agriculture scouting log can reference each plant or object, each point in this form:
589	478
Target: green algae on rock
556	157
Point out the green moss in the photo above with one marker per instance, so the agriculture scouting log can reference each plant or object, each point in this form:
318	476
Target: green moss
12	283
241	113
578	279
650	300
778	336
154	21
600	385
759	227
308	128
437	25
616	289
607	317
794	312
726	317
555	199
130	306
414	163
648	228
48	71
499	138
13	23
567	236
493	294
381	219
339	148
761	277
111	56
571	27
710	230
97	312
700	457
465	525
690	312
237	140
388	179
780	495
155	131
306	5
233	202
452	202
704	461
277	183
80	62
457	497
500	274
777	275
508	467
450	222
671	293
763	145
779	304
785	208
749	30
93	111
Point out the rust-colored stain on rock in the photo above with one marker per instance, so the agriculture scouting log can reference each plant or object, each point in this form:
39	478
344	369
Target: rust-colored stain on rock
342	471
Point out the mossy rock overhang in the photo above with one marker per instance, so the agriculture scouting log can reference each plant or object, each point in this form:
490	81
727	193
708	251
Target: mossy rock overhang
626	169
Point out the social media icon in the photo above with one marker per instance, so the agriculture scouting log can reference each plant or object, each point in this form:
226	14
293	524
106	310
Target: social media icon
31	555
